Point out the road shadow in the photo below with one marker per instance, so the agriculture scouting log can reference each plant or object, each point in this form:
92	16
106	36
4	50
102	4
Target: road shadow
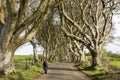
61	76
67	69
57	74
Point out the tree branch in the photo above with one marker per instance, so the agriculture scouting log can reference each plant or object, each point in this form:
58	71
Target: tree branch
38	24
40	10
75	24
22	10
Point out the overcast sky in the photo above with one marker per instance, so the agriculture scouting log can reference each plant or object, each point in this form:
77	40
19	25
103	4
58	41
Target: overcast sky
115	45
27	49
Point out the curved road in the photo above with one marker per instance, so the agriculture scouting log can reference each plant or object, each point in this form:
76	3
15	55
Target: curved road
63	71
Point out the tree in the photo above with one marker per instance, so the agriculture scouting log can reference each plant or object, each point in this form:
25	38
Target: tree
34	43
89	22
80	49
12	24
53	39
33	4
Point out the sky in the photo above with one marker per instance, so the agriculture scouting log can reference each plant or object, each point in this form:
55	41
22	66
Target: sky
27	49
115	45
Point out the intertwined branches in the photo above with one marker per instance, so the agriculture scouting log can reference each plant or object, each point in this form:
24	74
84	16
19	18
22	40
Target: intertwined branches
90	22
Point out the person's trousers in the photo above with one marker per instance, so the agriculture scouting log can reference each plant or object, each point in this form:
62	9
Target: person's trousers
45	71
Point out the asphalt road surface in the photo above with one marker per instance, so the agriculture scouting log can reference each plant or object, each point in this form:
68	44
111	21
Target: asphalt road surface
63	71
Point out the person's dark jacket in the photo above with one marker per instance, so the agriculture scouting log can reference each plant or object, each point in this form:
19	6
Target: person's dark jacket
45	65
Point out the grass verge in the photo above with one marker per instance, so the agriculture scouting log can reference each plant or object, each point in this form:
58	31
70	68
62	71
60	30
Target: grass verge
21	72
96	74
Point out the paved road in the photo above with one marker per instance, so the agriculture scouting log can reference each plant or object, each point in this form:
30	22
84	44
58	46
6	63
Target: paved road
63	71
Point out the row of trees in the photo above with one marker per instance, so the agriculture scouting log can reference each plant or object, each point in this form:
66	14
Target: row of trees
88	22
63	27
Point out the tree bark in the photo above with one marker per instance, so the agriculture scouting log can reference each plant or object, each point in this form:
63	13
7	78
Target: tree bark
82	57
6	62
35	51
95	58
36	58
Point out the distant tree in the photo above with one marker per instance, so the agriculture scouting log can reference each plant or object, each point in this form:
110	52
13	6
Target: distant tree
53	39
33	4
34	43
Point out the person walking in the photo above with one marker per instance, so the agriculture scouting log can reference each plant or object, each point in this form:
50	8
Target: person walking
45	66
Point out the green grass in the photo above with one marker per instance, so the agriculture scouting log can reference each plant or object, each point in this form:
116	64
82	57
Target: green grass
115	64
100	73
96	74
21	72
21	58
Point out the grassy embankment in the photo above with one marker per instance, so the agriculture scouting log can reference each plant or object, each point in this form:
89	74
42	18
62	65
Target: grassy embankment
23	71
100	73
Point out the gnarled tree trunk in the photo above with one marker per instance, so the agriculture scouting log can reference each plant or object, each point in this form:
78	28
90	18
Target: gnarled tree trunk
82	56
6	62
80	49
95	57
35	51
